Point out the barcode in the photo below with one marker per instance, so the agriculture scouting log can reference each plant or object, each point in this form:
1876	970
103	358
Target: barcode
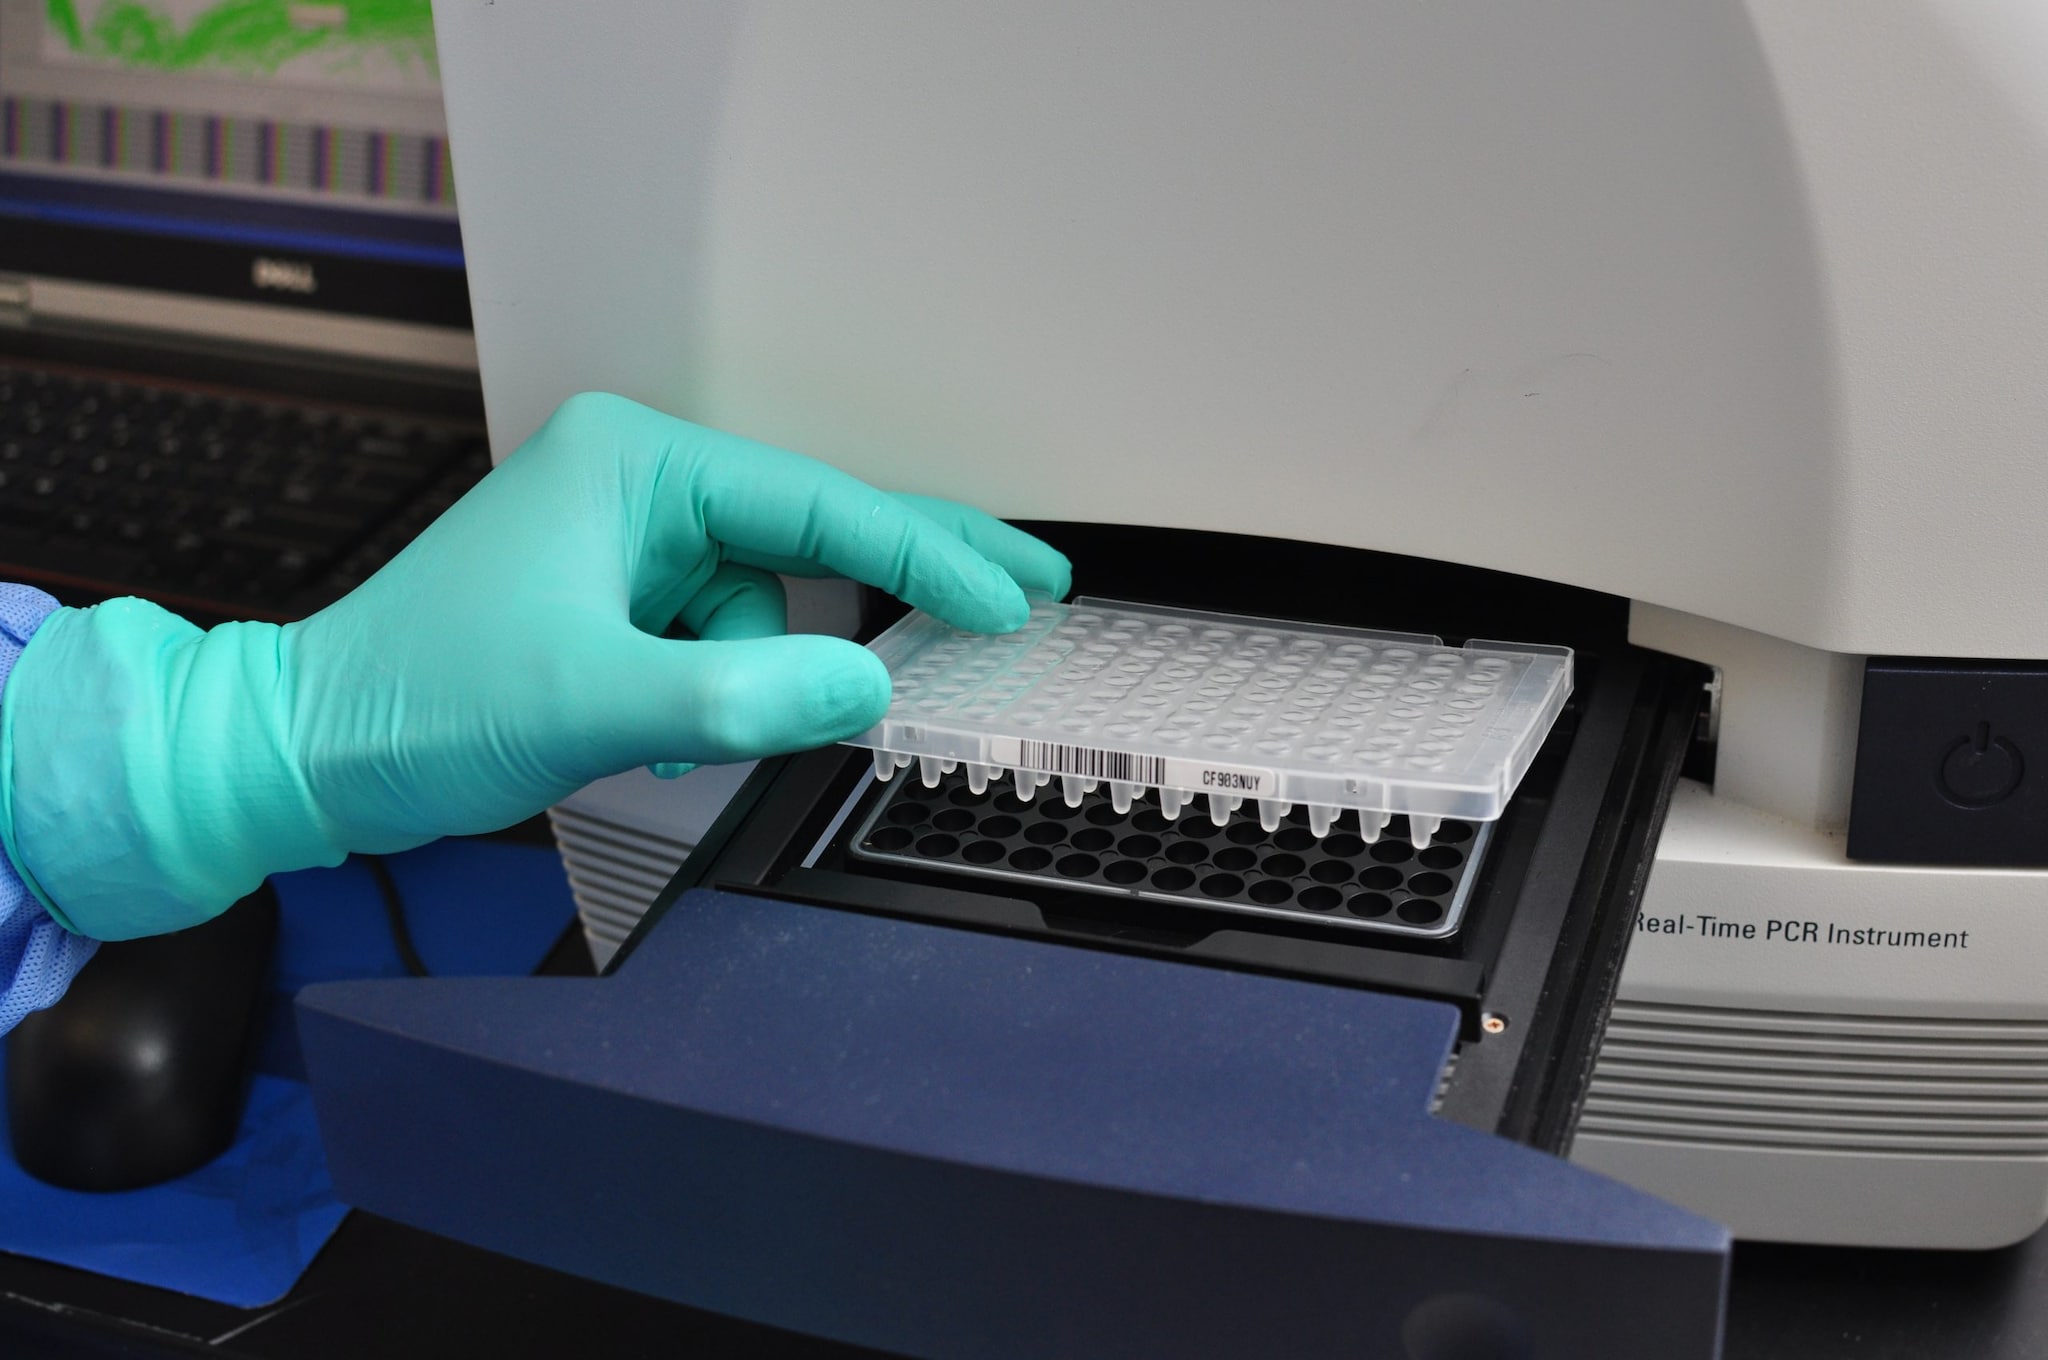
1054	758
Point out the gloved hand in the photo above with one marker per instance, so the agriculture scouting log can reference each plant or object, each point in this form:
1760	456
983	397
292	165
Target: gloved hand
151	773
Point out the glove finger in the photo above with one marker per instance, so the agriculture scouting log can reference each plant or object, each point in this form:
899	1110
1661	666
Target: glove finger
737	603
1032	563
711	703
767	504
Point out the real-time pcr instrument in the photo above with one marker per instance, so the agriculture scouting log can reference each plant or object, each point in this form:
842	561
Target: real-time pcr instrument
1554	485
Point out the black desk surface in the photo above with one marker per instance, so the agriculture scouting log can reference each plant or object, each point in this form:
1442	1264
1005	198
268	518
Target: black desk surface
384	1290
1820	1303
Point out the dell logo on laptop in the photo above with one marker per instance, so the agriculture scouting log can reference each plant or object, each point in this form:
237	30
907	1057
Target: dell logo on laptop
290	276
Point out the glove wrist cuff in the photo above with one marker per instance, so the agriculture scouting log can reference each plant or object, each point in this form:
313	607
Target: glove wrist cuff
148	769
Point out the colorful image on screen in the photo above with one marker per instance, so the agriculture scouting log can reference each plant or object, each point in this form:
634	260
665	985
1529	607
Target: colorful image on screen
356	44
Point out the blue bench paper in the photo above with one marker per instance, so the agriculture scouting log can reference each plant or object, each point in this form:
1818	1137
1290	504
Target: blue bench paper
242	1229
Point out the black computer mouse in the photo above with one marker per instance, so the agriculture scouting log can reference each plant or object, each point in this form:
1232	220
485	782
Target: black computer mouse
140	1072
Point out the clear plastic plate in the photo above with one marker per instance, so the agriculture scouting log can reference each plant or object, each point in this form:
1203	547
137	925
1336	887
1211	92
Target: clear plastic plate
1230	709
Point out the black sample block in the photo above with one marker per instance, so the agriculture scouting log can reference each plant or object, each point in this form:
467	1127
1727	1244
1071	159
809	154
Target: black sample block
1390	885
1952	763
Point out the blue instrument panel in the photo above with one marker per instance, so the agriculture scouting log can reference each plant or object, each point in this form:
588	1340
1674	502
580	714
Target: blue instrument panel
944	1142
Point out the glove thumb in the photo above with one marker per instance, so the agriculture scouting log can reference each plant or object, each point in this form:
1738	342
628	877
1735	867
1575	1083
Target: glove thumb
711	703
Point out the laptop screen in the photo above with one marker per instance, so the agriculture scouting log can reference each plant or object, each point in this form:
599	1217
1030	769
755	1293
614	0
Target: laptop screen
262	150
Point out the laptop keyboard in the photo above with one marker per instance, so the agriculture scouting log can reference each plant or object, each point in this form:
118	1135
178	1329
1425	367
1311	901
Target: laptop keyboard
221	503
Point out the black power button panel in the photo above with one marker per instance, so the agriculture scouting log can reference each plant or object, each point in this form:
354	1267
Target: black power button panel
1952	763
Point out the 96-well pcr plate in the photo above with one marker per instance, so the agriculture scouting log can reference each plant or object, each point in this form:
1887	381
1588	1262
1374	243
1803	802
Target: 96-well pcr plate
1232	709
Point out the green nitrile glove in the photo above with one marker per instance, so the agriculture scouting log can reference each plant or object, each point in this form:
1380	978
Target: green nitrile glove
151	773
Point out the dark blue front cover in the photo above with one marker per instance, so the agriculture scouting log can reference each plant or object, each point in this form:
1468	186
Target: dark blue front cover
942	1142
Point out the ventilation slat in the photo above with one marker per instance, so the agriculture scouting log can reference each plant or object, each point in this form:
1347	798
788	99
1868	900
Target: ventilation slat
1867	1064
1443	1082
2003	1148
634	882
1953	1140
626	896
601	840
1822	1117
1848	1026
1860	1045
616	830
1773	1079
616	919
614	873
1952	1081
1885	1102
579	860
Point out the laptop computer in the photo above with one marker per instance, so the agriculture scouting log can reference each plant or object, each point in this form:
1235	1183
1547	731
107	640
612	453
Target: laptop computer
236	373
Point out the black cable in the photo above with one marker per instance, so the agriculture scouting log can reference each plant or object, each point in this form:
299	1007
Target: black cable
394	914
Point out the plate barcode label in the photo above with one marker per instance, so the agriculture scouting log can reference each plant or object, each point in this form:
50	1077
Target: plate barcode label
1053	757
1088	762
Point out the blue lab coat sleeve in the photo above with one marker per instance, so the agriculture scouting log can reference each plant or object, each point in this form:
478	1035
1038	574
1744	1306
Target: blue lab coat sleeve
38	957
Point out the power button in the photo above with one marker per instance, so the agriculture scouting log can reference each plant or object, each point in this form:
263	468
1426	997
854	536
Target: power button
1981	769
1942	768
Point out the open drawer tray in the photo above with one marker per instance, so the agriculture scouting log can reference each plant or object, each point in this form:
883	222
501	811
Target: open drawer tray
936	1112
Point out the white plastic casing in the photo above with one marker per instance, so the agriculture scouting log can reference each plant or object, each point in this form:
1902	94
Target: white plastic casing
1740	310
